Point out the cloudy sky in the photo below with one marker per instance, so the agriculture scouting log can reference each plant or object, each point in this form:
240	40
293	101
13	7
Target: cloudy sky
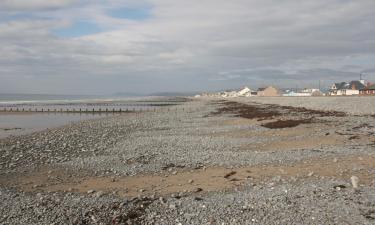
107	46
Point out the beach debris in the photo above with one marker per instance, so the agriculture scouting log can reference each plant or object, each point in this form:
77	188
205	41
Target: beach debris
196	190
279	124
198	199
229	174
169	166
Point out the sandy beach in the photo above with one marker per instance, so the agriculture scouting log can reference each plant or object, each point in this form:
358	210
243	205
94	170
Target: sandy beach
206	161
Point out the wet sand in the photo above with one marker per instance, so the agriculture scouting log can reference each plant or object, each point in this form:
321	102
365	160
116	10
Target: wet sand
21	123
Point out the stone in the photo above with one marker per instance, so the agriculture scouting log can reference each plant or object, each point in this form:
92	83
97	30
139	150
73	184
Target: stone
196	190
355	181
99	194
162	201
90	191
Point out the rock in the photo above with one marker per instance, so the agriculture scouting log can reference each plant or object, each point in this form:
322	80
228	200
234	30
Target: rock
99	194
310	174
196	190
191	181
339	187
335	160
276	179
355	181
90	191
162	201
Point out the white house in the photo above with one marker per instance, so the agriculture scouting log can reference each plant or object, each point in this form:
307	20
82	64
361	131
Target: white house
245	92
304	93
345	88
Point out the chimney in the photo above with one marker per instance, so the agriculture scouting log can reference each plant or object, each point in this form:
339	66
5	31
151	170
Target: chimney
361	80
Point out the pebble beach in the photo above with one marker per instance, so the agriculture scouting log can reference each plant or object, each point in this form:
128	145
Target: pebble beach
205	161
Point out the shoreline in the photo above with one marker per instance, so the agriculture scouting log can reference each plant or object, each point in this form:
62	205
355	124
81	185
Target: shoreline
206	152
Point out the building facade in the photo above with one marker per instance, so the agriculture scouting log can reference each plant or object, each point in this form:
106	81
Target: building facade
268	92
345	88
369	90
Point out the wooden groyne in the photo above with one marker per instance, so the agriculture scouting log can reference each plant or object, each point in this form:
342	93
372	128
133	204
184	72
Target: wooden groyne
89	110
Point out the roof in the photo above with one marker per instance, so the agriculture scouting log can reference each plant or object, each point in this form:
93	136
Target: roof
342	85
370	87
356	85
264	88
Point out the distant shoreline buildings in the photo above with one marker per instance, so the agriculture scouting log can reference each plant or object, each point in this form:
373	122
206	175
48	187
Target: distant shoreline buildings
352	88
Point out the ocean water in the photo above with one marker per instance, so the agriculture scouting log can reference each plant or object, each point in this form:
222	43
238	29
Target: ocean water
4	97
19	123
14	124
53	99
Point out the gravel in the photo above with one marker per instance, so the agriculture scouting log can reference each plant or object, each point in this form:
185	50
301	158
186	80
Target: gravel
284	202
364	105
288	202
188	136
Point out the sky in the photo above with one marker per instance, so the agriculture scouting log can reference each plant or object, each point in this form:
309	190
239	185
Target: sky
146	46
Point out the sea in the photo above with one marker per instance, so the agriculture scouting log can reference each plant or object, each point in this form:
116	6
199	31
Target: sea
21	114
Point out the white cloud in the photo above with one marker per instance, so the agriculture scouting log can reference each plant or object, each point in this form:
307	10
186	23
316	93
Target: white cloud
194	38
34	4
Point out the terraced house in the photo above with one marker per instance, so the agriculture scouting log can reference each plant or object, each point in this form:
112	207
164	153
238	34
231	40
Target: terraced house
369	90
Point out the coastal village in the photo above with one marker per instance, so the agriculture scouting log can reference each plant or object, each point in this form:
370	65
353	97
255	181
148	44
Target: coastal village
353	88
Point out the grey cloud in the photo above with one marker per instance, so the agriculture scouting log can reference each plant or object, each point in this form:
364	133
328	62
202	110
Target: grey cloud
34	4
189	45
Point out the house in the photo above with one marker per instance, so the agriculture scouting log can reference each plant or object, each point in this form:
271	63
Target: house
228	94
317	93
304	93
369	90
268	91
345	88
245	92
290	93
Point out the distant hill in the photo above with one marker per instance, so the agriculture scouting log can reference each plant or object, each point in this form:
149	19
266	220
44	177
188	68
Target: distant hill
170	94
163	94
128	94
